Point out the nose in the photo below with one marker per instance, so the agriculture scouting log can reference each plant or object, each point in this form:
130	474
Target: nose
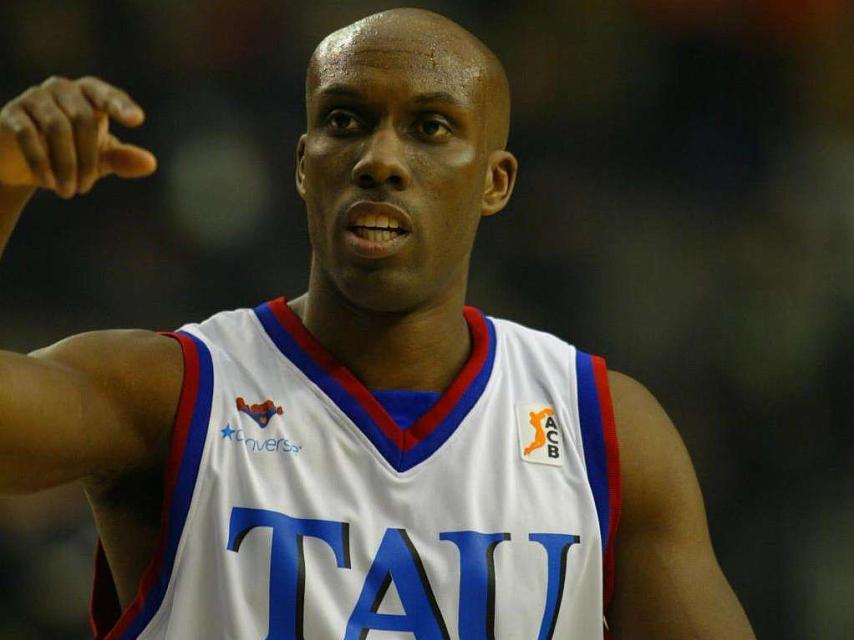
382	162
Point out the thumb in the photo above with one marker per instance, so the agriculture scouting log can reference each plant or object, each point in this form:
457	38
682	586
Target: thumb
125	160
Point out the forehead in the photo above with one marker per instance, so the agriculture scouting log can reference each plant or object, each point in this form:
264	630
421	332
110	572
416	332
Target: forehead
413	64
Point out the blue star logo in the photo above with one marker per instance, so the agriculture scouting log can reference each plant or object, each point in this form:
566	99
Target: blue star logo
226	433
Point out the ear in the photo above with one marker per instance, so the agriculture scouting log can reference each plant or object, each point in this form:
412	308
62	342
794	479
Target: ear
300	174
500	178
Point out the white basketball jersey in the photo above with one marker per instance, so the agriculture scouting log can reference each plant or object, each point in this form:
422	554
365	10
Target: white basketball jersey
296	507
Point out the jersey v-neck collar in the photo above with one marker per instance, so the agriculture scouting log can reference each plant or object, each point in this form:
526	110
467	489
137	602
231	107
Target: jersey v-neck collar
401	448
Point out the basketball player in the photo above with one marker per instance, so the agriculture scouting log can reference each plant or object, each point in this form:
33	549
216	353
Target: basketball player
373	458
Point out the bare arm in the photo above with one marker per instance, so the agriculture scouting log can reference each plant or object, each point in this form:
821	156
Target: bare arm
97	403
668	581
86	408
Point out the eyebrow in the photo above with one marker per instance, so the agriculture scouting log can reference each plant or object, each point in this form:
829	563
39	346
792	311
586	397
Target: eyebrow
432	97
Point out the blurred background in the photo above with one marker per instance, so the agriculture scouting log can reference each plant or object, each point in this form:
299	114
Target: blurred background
685	207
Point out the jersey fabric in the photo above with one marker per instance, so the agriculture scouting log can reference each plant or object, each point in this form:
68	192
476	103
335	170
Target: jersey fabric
404	406
296	507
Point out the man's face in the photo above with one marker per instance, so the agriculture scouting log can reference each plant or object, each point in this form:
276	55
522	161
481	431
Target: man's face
400	122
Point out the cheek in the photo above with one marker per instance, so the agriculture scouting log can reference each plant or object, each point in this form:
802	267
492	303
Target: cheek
324	162
455	163
324	166
455	180
454	186
315	192
446	178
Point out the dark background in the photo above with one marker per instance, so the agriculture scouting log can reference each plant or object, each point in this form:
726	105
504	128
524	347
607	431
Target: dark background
685	207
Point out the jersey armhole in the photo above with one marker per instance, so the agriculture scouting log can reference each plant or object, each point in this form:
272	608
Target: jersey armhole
602	459
106	618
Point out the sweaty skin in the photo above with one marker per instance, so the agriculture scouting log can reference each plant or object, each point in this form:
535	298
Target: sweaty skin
404	108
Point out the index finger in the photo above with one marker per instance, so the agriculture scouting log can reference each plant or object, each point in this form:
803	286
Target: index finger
112	100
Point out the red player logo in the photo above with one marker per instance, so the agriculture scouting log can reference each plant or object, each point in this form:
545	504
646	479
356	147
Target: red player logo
260	413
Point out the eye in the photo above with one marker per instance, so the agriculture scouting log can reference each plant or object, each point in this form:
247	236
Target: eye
342	121
434	129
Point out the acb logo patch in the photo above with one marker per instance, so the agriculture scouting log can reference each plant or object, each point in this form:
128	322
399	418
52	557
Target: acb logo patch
539	434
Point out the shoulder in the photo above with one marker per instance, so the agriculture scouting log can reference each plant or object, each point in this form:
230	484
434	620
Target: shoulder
230	332
641	420
138	372
522	332
669	583
532	346
655	466
642	423
119	354
660	491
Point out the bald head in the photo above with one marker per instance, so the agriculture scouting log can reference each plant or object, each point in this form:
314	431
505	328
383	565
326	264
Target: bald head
416	40
407	114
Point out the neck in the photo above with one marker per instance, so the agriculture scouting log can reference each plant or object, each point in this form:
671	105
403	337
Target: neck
421	349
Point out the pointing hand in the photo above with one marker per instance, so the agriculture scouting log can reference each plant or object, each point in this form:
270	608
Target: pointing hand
57	136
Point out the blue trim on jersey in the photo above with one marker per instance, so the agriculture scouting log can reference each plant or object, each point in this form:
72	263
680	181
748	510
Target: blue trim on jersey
446	428
293	352
405	405
593	440
399	459
185	483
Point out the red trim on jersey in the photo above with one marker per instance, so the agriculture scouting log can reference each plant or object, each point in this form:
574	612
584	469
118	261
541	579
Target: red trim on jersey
439	411
612	456
307	342
405	439
104	595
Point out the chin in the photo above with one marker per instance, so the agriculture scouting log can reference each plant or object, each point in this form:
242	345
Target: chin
381	290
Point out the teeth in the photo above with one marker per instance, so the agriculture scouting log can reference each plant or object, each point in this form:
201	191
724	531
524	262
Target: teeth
375	235
377	221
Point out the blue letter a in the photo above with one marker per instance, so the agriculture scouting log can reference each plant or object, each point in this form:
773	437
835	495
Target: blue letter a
397	561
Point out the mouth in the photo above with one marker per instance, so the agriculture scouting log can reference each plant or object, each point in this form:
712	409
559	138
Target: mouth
376	229
376	232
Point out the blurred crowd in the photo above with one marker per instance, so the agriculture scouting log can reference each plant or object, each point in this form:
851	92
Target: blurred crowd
685	207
